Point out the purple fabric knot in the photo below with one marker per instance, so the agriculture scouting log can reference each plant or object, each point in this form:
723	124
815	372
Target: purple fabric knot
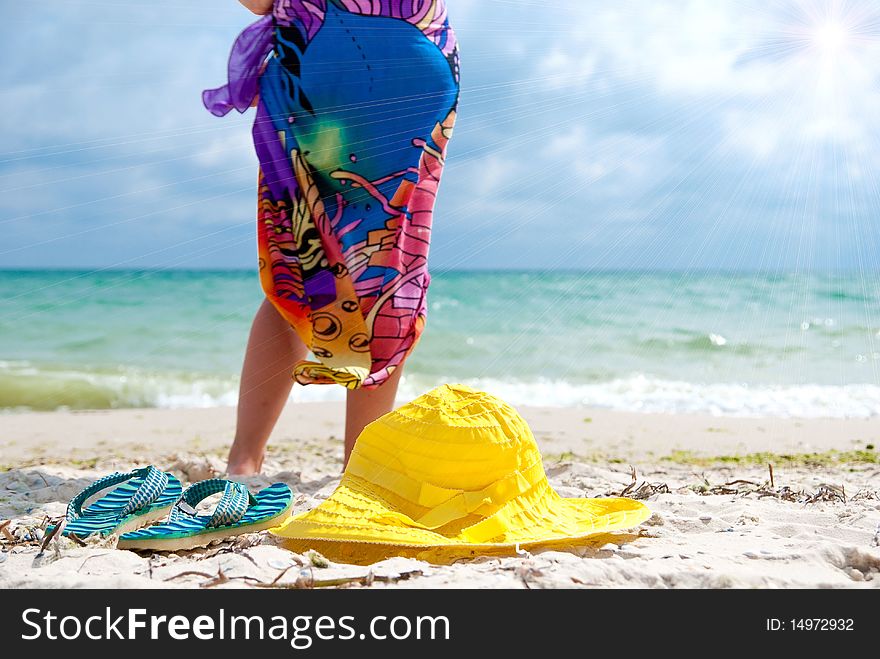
248	53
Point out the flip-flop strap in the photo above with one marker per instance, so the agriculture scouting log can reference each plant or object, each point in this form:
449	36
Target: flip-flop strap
230	509
154	483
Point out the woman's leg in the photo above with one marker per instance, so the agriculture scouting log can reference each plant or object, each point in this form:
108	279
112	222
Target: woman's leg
272	350
363	406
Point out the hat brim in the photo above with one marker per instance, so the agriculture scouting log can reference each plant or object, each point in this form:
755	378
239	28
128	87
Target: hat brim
361	512
369	553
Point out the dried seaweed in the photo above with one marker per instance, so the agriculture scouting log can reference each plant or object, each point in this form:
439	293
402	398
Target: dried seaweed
190	573
828	493
643	491
526	573
745	488
731	487
865	494
73	536
55	532
20	535
366	580
219	580
305	581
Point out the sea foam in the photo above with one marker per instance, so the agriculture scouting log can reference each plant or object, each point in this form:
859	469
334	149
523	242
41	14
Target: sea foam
641	393
26	386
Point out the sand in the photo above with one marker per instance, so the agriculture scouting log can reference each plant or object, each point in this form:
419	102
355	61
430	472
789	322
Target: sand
718	521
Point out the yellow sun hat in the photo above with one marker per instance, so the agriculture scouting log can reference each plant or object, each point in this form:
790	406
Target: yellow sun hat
456	467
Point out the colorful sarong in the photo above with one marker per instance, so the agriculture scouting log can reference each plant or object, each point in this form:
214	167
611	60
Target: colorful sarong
356	106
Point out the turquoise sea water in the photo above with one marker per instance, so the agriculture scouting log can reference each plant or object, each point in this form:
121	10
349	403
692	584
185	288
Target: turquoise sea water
744	344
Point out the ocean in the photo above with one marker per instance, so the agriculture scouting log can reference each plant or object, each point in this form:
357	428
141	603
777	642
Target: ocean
802	345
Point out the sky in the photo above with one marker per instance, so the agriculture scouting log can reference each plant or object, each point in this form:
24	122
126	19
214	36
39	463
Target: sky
648	134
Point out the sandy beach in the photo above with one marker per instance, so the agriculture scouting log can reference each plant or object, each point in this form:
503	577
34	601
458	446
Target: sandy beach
719	521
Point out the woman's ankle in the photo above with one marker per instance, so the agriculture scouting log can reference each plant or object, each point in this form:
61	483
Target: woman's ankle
243	465
241	470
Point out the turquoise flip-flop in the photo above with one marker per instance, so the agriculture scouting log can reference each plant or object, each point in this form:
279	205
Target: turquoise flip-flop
237	512
143	496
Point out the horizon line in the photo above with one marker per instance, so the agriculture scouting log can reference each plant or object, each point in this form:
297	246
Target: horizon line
440	270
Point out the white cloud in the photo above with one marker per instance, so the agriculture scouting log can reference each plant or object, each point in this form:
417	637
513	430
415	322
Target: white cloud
560	69
619	158
688	46
774	82
588	118
232	149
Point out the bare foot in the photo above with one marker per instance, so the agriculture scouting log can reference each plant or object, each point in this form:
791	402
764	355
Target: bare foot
243	466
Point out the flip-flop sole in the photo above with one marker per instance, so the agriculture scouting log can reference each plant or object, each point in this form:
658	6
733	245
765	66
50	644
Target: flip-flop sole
272	506
157	543
136	522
